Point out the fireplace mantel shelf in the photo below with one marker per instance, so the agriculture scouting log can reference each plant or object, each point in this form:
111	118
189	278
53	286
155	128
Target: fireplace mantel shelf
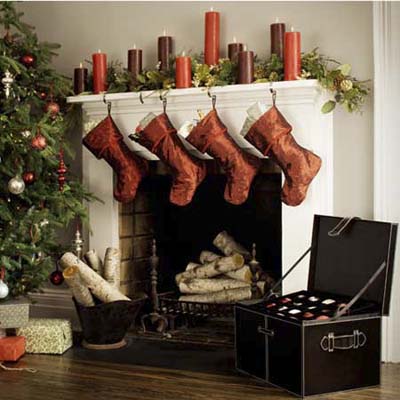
288	92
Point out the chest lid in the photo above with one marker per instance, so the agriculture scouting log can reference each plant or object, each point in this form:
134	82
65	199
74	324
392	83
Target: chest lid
345	256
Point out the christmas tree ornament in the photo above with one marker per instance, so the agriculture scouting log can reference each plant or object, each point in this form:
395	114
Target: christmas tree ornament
16	185
7	81
28	177
271	134
78	243
61	171
39	142
52	107
26	133
3	287
159	136
211	135
42	95
56	277
28	60
8	39
106	141
44	222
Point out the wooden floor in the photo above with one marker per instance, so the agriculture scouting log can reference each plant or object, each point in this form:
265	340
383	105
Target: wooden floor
62	378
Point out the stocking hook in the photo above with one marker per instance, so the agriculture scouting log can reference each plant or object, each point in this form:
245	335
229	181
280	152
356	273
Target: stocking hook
273	93
108	103
164	100
213	98
141	97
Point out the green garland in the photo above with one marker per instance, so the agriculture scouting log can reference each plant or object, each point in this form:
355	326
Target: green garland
346	90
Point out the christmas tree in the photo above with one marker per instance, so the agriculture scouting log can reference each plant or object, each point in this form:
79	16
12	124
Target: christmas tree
37	195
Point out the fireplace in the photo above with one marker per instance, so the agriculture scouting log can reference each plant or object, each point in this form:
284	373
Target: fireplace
182	233
281	233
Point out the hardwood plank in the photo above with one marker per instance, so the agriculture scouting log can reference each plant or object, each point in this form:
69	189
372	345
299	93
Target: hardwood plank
68	379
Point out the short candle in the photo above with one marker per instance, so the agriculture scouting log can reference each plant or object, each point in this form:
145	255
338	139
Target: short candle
99	72
183	74
292	55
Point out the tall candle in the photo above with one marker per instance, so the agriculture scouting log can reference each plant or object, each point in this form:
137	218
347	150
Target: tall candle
211	38
99	72
80	79
233	50
292	55
245	66
135	61
164	51
183	74
277	38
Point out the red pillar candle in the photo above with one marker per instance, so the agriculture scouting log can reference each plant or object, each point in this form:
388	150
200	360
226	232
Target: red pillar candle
80	79
292	55
277	38
99	72
233	50
183	74
211	39
245	66
164	51
135	62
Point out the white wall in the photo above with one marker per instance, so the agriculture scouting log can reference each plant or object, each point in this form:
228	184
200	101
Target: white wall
342	30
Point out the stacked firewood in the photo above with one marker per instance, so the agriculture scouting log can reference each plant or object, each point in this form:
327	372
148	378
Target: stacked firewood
221	278
93	278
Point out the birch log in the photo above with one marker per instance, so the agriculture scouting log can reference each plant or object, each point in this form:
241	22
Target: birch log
208	256
243	274
224	296
79	290
215	268
192	265
227	244
98	286
94	261
112	266
202	286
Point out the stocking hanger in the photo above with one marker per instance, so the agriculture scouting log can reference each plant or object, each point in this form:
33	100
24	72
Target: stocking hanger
164	100
213	98
108	103
273	93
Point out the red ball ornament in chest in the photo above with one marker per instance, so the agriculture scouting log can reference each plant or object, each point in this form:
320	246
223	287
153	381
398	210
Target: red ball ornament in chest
52	107
28	177
28	60
39	142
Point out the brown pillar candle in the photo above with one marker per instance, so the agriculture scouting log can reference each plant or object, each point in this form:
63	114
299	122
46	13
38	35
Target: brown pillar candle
246	66
277	38
135	62
80	79
233	50
164	51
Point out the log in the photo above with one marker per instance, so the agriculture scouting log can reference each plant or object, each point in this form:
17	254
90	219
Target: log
191	266
112	267
94	261
224	296
203	286
243	274
214	268
79	290
208	256
97	285
227	244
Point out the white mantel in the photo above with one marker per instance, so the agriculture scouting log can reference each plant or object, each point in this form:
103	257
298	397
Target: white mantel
299	101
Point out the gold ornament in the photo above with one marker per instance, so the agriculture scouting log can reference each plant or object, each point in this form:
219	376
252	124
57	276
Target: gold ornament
346	85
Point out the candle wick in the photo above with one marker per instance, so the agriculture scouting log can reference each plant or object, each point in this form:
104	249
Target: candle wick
99	51
183	53
292	29
234	39
211	8
80	65
245	47
134	46
164	32
276	20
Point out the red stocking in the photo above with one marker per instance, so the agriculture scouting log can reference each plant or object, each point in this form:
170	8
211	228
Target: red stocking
160	137
211	136
271	134
106	141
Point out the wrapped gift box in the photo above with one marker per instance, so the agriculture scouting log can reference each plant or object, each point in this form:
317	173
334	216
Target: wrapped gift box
326	338
12	348
47	336
14	313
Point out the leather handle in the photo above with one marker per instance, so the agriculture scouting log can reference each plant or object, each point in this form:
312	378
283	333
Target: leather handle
330	342
268	332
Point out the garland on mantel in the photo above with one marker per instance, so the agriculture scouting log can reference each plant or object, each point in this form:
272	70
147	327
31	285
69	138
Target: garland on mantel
346	90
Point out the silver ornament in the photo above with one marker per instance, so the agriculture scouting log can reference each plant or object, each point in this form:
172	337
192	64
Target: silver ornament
7	81
16	185
26	134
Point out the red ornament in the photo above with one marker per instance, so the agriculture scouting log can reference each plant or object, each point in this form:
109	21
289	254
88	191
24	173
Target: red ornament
52	107
61	171
28	177
56	277
42	95
27	60
39	142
